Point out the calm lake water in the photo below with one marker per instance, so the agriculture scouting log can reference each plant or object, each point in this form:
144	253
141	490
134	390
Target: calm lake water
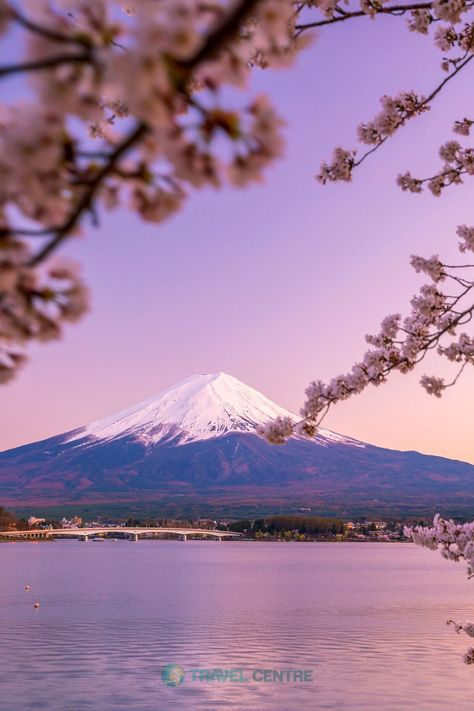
367	619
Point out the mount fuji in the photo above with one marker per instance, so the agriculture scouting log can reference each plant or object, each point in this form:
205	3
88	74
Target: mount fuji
193	450
199	408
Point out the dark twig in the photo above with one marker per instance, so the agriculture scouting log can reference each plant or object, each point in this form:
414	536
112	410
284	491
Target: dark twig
47	63
399	9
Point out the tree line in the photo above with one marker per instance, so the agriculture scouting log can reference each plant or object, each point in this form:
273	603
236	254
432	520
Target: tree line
279	525
8	520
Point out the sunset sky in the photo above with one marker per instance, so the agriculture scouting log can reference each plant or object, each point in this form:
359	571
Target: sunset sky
276	284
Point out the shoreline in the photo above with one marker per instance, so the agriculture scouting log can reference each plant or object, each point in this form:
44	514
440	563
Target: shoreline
158	539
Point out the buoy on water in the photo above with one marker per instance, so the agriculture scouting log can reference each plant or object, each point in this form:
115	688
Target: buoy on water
27	587
36	605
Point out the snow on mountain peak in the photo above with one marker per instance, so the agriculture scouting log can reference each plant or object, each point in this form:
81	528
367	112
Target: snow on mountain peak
198	408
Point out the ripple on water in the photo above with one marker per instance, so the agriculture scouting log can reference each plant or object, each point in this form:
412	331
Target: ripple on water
368	620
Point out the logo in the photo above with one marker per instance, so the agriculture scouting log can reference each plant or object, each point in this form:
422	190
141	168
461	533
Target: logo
172	675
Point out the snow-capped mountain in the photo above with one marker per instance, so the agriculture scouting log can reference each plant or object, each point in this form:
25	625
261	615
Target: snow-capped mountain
193	450
198	408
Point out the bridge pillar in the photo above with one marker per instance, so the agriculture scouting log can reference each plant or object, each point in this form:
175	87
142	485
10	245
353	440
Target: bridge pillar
184	537
85	539
134	537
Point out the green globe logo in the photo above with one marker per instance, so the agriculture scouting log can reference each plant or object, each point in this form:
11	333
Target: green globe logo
172	675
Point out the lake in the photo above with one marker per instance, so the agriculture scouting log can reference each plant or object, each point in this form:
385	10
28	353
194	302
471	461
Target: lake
365	621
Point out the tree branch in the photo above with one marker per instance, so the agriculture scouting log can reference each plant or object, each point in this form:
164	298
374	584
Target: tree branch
424	103
88	196
221	34
47	63
398	9
215	41
45	32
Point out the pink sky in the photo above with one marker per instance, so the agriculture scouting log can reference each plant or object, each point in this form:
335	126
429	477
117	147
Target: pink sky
277	284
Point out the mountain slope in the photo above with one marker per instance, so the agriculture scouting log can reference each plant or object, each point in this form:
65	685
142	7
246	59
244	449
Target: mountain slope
193	449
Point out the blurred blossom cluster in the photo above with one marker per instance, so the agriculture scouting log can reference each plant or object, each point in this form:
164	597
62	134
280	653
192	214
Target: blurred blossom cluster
123	106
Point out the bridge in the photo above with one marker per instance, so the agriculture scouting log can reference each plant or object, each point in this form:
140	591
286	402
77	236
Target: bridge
132	533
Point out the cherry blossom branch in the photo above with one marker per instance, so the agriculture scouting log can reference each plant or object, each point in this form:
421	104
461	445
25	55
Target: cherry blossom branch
50	176
399	346
375	9
210	47
455	542
224	32
424	104
423	14
61	181
458	162
395	114
85	202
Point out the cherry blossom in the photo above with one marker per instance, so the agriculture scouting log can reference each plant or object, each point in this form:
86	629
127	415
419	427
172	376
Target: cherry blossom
437	315
463	128
455	542
125	106
434	323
